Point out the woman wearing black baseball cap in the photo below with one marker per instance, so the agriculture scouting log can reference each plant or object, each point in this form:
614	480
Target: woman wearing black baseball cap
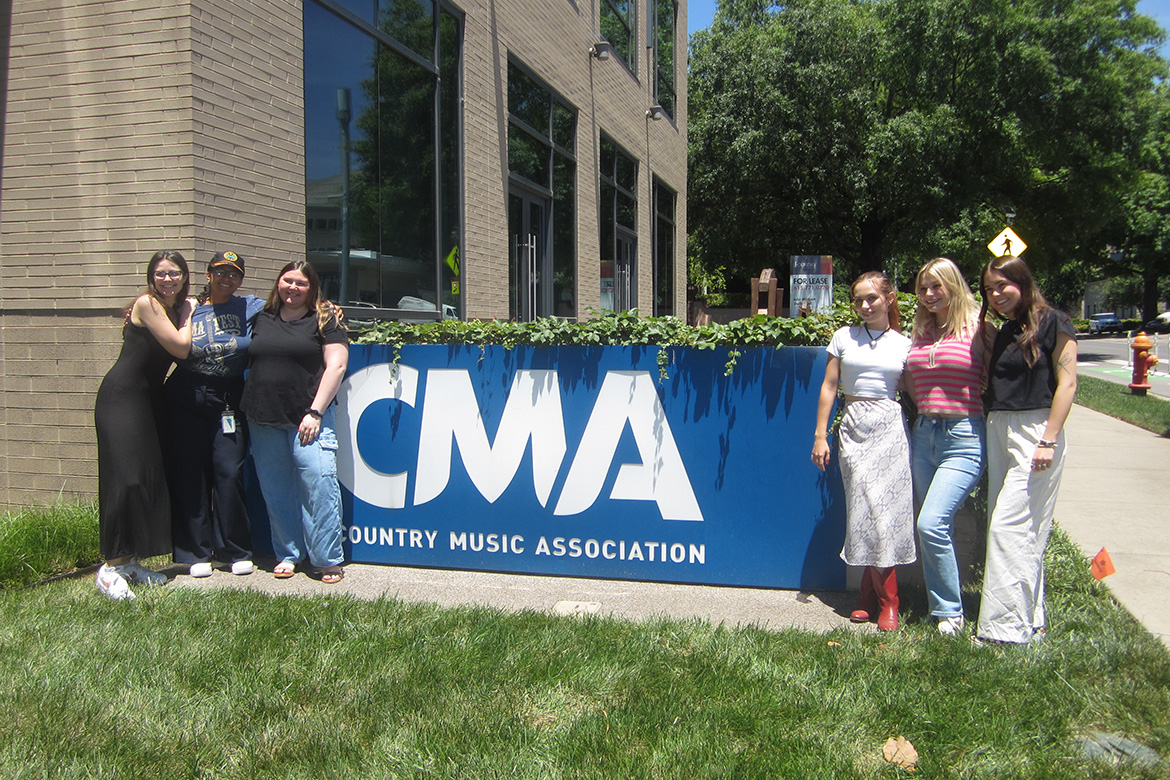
208	437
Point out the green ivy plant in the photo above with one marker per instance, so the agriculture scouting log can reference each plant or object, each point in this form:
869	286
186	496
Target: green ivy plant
615	329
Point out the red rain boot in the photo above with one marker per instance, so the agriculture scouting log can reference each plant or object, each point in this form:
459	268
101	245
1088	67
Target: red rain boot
866	599
885	582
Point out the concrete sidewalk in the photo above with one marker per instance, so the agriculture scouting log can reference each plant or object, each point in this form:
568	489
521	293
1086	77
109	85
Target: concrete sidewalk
1114	494
775	609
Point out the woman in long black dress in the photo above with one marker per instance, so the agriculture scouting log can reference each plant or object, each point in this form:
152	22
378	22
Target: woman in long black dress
133	503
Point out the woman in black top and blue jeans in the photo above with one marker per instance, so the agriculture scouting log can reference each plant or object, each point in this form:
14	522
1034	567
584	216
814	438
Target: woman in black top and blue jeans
297	360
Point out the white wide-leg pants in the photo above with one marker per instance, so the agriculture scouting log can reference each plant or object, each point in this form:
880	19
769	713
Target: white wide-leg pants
1020	506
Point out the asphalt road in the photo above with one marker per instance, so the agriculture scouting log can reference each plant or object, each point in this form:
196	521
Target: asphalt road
1109	357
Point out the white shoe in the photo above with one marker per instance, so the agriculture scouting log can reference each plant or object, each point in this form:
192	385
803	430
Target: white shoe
141	575
243	567
110	582
202	569
951	626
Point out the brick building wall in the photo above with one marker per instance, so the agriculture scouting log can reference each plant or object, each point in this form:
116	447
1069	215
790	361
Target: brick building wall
130	126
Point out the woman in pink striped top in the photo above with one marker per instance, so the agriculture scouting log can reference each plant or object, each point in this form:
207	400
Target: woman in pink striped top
945	373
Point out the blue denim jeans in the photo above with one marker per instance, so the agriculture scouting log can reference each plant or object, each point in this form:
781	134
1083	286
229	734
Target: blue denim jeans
299	483
947	459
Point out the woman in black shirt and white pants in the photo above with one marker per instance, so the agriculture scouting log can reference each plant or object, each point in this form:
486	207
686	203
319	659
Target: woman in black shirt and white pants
1031	385
297	361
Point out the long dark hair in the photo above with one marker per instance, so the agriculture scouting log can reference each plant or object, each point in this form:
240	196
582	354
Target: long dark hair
885	287
326	311
1031	308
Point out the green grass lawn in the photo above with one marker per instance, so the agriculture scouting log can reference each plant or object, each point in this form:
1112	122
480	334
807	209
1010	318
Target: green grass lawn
231	684
1116	400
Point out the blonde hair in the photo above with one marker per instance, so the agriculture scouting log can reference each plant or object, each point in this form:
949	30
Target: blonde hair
962	311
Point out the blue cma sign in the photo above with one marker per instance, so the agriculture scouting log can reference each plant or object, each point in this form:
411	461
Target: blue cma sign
581	461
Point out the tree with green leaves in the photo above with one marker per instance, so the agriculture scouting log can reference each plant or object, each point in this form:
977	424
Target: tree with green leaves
1145	226
875	129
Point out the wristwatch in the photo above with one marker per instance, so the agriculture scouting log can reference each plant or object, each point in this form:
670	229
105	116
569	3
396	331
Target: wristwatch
314	414
1047	445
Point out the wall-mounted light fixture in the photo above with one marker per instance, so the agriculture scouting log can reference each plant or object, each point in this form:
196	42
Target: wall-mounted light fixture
602	50
656	112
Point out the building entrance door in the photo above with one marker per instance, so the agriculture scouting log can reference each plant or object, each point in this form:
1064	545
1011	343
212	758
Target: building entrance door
530	274
617	292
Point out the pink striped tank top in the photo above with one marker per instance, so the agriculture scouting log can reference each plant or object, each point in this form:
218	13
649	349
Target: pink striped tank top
946	375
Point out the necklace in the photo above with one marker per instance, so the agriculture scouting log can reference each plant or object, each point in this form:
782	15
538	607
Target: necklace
873	340
938	337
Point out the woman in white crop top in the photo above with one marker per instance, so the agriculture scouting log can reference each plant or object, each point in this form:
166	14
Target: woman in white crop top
866	362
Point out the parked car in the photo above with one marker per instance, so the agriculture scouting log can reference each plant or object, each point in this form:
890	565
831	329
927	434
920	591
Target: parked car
1160	324
1103	322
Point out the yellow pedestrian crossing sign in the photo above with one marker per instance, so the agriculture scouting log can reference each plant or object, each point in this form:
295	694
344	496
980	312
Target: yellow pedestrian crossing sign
1007	243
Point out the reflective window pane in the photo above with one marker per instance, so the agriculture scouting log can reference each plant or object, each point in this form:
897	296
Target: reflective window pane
400	199
564	237
528	101
564	127
410	22
617	27
627	211
608	158
366	10
665	22
384	213
627	172
664	200
449	193
339	61
527	156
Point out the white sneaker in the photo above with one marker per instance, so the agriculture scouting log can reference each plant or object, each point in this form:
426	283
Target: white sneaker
141	575
243	567
951	626
110	582
202	569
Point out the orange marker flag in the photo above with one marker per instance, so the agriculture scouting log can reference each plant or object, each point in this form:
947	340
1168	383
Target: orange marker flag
1102	565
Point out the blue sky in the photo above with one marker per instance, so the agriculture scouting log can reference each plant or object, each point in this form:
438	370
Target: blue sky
701	12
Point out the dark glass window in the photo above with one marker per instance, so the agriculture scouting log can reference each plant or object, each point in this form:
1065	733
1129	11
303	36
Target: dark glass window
617	27
451	162
382	155
564	244
542	132
664	200
665	24
411	22
618	226
528	101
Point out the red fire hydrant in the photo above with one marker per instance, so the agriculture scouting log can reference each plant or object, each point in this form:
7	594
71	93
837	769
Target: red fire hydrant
1143	362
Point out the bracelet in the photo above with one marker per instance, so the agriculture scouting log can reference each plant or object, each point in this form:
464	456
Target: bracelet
1046	445
314	414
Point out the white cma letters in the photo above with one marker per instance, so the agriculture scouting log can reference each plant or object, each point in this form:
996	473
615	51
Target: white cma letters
532	412
629	397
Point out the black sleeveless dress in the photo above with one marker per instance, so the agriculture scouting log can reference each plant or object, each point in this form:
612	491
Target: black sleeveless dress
133	502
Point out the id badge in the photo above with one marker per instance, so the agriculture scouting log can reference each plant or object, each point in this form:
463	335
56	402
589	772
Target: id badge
228	422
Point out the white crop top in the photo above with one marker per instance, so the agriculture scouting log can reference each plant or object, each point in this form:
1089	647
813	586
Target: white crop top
870	367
